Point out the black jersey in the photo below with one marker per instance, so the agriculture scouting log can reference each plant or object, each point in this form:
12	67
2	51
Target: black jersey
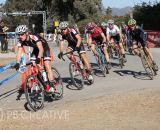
137	34
33	39
70	37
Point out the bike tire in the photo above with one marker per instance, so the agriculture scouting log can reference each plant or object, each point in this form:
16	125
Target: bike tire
102	66
58	94
146	65
110	52
35	98
120	58
76	75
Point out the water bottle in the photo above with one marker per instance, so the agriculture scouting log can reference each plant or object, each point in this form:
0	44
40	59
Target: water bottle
44	76
81	64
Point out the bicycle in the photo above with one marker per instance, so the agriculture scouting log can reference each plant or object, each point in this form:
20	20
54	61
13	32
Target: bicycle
146	61
34	86
118	52
101	61
77	72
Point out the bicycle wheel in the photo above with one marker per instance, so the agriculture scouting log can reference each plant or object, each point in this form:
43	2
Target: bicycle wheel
110	51
146	65
151	64
102	66
34	92
58	94
120	58
76	75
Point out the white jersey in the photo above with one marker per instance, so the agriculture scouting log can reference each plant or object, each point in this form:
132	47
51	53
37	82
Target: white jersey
114	31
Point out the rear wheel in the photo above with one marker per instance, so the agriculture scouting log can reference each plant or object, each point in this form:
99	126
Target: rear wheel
34	92
76	75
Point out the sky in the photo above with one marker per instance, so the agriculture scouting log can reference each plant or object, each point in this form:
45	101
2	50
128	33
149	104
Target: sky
118	3
124	3
2	1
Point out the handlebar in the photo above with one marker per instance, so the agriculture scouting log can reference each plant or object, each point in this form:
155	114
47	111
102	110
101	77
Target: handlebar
66	54
22	68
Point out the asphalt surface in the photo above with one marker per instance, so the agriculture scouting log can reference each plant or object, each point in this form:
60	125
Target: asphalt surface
132	77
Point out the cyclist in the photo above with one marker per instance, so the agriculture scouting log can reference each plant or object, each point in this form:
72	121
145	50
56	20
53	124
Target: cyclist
114	35
136	35
104	26
74	44
96	36
40	50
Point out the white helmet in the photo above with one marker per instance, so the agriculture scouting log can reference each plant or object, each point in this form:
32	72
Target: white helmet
103	24
21	29
63	25
110	21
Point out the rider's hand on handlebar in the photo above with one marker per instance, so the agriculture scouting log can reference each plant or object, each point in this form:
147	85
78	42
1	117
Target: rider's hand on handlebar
16	66
60	55
37	60
77	48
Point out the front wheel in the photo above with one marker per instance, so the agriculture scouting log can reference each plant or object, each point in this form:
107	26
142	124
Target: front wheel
76	75
58	86
34	92
147	65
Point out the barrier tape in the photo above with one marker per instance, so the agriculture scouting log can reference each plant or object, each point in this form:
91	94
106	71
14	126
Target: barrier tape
8	78
7	66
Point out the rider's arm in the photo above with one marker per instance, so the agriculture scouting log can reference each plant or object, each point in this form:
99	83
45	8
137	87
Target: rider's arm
79	39
61	45
119	32
41	50
108	35
20	49
103	37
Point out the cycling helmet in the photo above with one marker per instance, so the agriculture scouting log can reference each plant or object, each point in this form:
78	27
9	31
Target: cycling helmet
103	24
21	29
110	21
63	25
132	22
90	26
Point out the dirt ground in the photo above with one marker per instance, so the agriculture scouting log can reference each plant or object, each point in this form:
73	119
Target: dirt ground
136	110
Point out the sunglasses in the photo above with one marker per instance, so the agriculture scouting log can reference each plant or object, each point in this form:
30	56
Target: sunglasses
133	25
21	34
63	29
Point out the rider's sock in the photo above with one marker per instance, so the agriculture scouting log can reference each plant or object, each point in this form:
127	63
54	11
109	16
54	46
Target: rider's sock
124	55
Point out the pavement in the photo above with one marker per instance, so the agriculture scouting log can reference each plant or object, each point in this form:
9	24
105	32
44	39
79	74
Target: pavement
8	55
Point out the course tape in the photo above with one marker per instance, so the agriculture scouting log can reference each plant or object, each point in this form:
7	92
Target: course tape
8	78
7	66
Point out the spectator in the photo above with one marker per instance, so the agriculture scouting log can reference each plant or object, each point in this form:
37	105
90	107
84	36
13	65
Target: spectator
3	38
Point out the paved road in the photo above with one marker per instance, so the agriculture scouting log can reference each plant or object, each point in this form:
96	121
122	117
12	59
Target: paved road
130	78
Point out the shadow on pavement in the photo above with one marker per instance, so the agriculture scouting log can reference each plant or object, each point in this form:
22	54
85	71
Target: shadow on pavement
9	93
138	75
69	84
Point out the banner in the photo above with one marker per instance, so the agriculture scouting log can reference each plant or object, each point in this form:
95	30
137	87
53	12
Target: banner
153	39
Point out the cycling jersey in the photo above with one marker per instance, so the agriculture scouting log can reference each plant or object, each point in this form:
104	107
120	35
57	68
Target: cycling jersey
72	40
136	35
96	35
104	30
114	31
33	39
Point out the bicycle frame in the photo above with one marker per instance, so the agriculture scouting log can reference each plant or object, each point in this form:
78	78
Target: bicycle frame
101	54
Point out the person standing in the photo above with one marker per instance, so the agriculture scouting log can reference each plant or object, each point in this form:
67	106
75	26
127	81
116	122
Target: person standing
3	39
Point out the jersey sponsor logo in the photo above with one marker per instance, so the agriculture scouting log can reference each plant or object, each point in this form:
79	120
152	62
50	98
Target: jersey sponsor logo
73	31
35	38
